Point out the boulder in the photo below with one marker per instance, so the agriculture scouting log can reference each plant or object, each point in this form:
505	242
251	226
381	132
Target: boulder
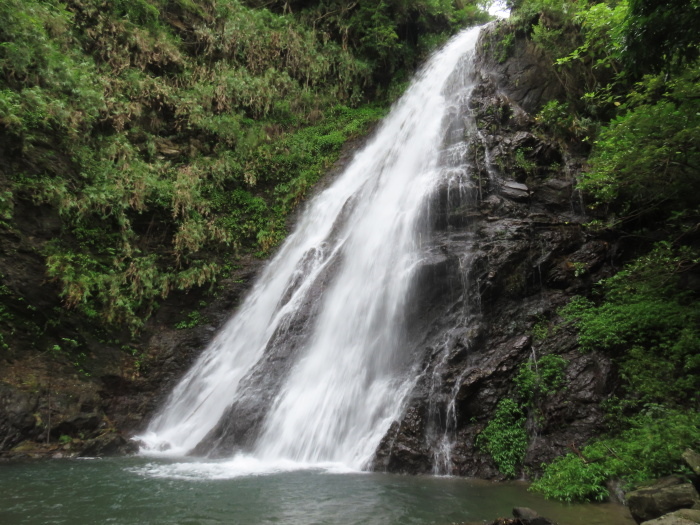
524	513
110	444
527	516
692	458
515	190
679	517
665	496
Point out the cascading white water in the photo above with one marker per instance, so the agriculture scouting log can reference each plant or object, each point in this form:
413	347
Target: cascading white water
353	375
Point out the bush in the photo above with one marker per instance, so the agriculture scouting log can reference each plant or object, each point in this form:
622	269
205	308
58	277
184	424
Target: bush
649	448
649	323
166	152
646	161
541	378
505	437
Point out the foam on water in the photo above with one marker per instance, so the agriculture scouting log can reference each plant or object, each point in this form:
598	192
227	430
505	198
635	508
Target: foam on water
240	466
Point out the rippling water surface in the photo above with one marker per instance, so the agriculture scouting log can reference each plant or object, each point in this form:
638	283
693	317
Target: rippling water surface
247	492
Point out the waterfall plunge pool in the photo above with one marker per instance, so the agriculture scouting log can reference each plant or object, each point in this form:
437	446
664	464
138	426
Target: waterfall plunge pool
141	490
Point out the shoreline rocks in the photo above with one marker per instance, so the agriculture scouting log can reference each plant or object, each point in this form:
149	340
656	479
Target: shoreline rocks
662	499
521	516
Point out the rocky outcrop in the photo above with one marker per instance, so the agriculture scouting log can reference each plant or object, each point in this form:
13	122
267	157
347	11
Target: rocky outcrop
523	71
521	516
680	517
665	496
98	410
523	253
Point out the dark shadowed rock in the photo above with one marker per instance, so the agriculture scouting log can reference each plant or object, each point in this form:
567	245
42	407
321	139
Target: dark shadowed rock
16	415
110	444
524	513
526	76
522	516
82	422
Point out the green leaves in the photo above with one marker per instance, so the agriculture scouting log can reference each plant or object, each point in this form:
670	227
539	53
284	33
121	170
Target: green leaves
602	28
541	378
661	36
650	447
572	479
505	437
648	159
650	323
143	123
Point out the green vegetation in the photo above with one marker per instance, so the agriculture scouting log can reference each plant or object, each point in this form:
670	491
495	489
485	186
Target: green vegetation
648	448
505	437
630	81
646	319
649	322
171	137
194	318
538	379
661	37
647	159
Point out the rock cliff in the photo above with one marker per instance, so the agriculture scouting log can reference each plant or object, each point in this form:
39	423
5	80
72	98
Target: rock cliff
510	257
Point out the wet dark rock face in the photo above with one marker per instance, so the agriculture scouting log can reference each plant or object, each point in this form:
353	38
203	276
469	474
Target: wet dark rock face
522	253
16	420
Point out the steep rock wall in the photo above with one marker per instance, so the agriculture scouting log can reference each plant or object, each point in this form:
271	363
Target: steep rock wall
523	252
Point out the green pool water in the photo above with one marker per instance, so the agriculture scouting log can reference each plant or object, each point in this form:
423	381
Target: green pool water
158	491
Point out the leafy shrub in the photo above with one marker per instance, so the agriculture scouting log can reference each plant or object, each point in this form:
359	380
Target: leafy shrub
647	159
649	448
650	324
541	378
505	437
143	136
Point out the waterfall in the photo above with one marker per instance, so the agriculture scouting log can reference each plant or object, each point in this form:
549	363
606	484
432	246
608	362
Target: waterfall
317	363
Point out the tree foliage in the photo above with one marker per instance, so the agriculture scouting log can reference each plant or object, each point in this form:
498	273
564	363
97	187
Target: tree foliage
661	35
173	136
648	158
